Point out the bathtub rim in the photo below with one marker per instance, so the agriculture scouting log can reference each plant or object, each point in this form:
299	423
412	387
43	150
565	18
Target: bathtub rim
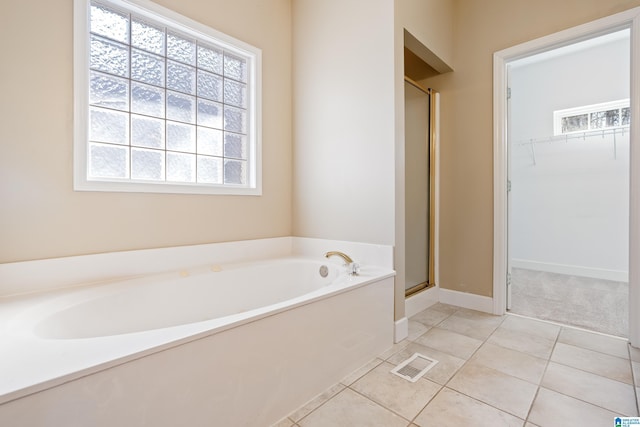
25	323
35	276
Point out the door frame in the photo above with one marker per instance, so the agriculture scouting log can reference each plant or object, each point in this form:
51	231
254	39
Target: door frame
627	19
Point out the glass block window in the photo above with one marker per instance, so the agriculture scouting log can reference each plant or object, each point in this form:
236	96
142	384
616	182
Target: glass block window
625	116
607	115
577	122
169	104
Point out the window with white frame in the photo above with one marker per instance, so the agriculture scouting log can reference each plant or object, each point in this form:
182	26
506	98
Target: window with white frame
163	103
606	115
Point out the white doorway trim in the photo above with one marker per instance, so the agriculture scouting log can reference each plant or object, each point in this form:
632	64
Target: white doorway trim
626	19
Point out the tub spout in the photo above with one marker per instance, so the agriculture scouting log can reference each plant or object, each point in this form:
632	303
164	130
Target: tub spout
347	259
352	267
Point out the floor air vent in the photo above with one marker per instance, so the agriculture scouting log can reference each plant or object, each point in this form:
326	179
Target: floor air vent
414	367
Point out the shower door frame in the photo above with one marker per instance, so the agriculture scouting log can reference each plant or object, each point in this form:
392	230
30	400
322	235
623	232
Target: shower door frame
431	141
627	19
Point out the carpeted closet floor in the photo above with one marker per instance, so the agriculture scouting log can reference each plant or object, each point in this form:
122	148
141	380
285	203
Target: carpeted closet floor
594	304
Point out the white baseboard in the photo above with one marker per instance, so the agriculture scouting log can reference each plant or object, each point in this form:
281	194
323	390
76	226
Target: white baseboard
420	301
466	300
573	270
401	330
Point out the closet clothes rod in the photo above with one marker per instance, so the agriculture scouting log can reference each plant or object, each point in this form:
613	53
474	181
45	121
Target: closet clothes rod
622	131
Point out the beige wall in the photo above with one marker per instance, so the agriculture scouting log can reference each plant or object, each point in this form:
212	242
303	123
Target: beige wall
343	120
431	22
40	214
483	27
435	32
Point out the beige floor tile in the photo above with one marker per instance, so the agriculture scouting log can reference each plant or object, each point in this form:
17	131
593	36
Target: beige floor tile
416	329
429	317
450	408
531	344
445	308
588	381
531	327
394	349
511	362
592	361
394	393
479	316
355	375
600	391
475	328
285	422
507	393
551	409
441	373
316	402
449	342
350	409
635	368
597	342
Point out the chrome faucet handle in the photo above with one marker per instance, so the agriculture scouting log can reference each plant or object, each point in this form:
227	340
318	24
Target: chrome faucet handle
354	269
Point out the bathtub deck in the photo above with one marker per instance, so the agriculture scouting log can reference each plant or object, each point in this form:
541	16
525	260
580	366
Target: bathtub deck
243	373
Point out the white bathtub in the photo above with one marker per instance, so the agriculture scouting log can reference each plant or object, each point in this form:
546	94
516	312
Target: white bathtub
229	293
221	344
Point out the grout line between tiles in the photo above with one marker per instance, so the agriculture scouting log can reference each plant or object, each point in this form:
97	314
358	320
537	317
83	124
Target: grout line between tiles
593	373
555	342
481	401
548	361
442	387
567	326
380	404
466	362
427	404
573	367
583	401
593	351
319	406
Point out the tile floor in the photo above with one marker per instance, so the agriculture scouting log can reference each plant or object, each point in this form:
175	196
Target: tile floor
492	371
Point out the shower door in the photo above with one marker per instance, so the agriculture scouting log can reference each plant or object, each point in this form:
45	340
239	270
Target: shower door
418	188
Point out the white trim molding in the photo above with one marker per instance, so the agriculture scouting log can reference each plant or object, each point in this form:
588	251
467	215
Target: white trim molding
500	175
466	300
501	59
572	270
421	301
401	330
